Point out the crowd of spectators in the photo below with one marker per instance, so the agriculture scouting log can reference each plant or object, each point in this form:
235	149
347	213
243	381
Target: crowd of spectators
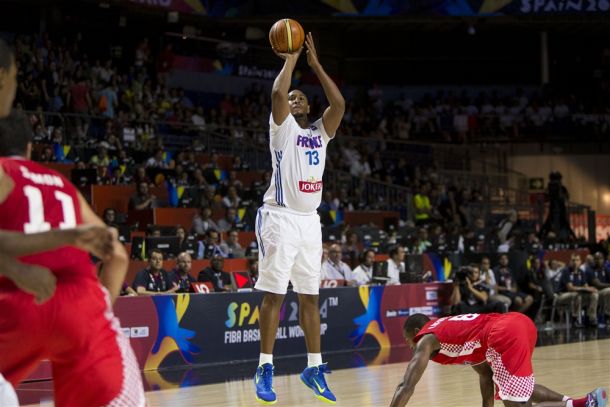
59	76
533	287
127	147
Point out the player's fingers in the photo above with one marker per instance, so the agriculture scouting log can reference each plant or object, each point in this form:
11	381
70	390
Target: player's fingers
100	251
43	295
113	233
52	285
107	252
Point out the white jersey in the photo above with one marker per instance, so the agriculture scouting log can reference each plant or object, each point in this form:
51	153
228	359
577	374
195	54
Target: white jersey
298	157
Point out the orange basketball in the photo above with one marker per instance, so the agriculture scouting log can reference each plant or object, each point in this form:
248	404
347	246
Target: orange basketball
286	36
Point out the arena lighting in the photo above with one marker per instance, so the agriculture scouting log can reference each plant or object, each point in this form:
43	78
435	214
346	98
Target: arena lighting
254	33
173	17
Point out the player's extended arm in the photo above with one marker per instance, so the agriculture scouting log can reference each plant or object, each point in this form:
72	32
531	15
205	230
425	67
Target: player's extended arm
115	265
486	383
281	86
95	239
38	281
417	366
334	113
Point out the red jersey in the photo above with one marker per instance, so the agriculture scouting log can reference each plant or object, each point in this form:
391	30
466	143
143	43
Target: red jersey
42	199
463	338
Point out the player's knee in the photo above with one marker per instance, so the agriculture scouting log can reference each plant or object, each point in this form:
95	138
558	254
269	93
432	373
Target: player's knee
308	300
273	300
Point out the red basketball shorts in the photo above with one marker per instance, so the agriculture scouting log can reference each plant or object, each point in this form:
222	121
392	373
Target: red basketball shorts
92	361
511	343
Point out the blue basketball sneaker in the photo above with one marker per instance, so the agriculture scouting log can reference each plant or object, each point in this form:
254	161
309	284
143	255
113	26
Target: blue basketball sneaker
313	377
263	382
597	398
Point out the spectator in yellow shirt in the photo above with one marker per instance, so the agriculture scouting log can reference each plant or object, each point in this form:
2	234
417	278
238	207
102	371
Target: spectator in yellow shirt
422	206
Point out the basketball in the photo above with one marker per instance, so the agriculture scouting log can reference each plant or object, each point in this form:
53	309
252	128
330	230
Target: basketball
286	36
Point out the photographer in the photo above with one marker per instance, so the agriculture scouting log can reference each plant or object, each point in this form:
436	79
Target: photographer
557	220
469	295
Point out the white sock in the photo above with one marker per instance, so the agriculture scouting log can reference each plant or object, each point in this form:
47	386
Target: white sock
569	403
7	394
566	398
265	358
314	359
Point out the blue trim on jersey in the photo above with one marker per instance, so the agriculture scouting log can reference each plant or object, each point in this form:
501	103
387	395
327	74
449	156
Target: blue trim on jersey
259	237
279	192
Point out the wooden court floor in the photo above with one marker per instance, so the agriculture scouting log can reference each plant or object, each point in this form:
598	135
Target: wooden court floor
573	369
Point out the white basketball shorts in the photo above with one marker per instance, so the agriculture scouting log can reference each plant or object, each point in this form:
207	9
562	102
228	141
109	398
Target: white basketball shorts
289	249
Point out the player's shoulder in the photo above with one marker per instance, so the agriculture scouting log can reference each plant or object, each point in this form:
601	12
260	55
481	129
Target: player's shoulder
428	341
318	126
288	122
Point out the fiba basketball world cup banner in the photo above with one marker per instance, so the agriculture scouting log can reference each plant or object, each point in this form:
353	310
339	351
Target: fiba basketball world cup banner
175	330
236	8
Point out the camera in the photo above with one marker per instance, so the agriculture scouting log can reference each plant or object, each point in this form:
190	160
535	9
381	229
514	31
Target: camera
462	274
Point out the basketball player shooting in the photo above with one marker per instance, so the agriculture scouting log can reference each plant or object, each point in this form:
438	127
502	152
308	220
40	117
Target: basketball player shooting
499	348
288	226
74	328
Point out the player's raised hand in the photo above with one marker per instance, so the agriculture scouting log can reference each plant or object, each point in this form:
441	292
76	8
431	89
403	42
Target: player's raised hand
312	54
289	56
38	281
97	240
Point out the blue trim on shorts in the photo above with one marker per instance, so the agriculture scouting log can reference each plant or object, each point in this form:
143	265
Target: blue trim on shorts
279	192
258	232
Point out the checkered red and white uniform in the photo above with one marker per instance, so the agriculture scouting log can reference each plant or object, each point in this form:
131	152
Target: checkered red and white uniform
505	341
510	345
93	363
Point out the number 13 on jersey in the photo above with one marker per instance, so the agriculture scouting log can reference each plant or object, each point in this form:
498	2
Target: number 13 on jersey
313	157
37	222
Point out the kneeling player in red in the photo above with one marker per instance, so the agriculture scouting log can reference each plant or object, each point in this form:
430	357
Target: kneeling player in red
498	346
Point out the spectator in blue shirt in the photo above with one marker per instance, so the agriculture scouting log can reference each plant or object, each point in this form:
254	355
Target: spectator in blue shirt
575	290
181	275
153	279
598	276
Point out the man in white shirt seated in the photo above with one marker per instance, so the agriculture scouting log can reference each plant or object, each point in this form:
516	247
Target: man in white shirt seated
334	268
396	264
553	273
363	274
